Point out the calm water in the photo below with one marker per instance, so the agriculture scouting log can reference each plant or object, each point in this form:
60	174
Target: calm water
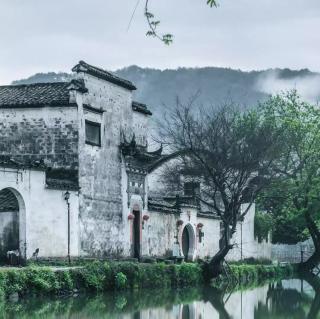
294	299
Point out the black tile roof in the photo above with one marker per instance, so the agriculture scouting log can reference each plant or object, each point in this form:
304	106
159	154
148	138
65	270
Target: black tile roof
140	107
38	94
62	179
8	201
7	161
103	74
160	205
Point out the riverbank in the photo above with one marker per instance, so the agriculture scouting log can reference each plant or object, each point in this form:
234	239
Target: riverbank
246	275
107	276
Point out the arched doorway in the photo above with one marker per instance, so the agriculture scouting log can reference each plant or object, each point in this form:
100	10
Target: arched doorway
12	227
188	242
185	312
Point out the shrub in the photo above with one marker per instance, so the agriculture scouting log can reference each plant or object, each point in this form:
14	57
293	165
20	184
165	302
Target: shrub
121	280
94	276
189	274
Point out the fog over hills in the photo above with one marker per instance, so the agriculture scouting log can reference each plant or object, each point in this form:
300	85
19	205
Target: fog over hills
213	86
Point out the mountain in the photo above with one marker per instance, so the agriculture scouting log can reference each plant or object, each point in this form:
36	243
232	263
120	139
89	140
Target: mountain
212	86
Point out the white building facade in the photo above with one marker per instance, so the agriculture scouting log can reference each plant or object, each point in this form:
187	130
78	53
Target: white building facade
74	170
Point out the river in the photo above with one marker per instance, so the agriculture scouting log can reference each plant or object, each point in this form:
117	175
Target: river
292	299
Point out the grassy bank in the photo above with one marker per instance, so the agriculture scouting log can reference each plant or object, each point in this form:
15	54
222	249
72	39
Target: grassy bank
245	275
103	276
98	276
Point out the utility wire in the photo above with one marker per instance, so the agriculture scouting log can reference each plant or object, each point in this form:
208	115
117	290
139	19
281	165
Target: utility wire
133	13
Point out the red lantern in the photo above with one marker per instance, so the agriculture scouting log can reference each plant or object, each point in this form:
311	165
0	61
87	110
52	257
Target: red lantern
179	222
130	216
200	225
145	217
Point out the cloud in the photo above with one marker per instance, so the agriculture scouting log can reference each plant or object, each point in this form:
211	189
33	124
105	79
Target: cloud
43	35
308	86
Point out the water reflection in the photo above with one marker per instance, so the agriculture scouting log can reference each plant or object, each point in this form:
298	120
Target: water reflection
295	298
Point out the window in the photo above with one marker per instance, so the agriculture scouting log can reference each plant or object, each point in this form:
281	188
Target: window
93	133
191	188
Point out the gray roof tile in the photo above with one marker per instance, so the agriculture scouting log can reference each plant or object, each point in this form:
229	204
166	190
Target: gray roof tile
39	94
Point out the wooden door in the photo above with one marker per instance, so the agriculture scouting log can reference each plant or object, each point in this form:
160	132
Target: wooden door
136	234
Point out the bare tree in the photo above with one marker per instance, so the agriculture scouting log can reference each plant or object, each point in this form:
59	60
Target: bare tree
233	152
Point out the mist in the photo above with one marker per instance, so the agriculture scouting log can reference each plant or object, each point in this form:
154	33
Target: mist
307	86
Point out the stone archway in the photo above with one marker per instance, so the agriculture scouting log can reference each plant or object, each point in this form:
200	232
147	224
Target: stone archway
188	239
12	225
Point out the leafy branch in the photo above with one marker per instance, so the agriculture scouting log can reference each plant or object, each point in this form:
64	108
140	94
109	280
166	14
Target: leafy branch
154	24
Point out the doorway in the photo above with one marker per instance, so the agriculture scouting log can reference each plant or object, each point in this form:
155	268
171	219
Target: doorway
136	234
12	248
188	242
185	243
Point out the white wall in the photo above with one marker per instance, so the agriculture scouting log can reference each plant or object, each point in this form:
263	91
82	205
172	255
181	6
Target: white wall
43	219
245	238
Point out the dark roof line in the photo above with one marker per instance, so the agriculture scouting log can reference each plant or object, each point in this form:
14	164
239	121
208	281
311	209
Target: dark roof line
103	74
34	84
140	107
35	95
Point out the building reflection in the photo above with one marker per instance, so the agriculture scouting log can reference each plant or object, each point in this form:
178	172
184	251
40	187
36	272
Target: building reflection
294	299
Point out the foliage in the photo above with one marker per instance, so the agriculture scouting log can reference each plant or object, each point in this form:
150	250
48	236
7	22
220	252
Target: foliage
292	197
93	275
245	275
153	23
98	276
121	280
289	226
263	224
231	152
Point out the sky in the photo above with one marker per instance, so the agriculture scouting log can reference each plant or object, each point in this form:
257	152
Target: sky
47	35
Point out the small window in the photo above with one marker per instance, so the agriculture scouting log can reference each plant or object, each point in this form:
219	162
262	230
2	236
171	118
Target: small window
191	188
93	133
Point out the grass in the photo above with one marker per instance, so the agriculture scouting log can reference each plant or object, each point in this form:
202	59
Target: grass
245	275
98	276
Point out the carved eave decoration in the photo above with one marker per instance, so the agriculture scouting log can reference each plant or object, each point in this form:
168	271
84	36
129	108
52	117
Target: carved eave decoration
137	156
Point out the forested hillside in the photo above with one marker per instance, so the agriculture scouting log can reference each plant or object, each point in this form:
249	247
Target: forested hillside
213	86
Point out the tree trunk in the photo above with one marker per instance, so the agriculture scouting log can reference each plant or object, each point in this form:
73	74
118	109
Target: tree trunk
215	297
314	260
215	267
314	282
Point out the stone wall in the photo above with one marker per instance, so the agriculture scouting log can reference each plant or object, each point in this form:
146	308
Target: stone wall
292	253
47	133
158	234
100	173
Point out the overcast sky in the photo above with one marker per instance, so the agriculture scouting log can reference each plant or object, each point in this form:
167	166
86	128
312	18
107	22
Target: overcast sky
52	35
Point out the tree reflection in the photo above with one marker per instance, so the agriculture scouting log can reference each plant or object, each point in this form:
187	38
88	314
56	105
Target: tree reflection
275	301
291	303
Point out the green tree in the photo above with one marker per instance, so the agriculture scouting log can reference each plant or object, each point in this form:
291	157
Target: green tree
293	197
